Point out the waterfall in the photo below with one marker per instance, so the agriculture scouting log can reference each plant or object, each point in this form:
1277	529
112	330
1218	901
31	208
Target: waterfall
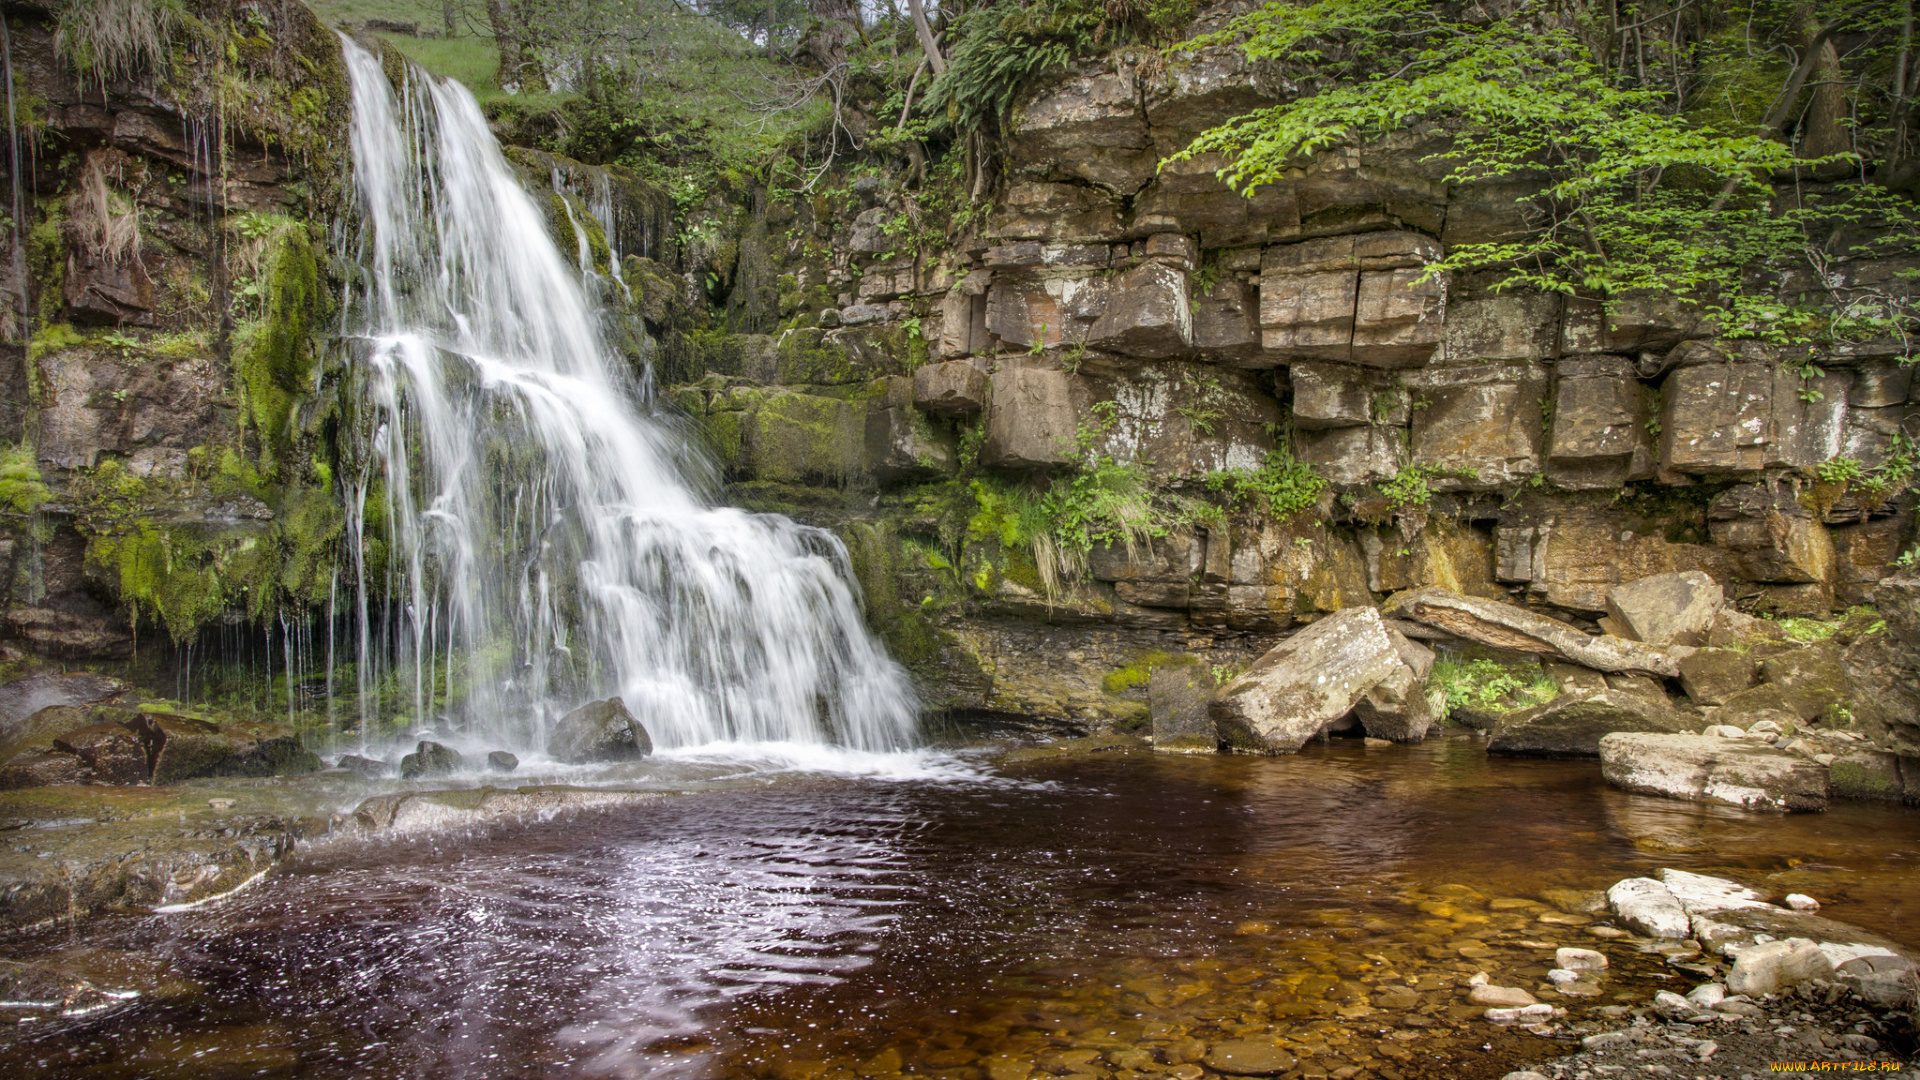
526	528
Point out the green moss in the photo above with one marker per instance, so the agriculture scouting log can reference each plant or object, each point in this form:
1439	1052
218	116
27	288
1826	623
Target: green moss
185	575
53	338
276	365
21	489
796	438
1138	671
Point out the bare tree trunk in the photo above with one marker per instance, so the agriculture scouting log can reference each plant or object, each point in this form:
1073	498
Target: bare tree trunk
448	12
836	24
925	32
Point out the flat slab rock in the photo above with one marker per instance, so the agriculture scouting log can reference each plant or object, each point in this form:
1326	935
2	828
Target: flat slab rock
1741	772
1727	918
1505	626
1576	725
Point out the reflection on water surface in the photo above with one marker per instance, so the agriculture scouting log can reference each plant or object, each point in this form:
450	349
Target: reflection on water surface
1096	917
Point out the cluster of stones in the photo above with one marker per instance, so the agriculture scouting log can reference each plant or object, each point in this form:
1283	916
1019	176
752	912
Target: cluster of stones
1762	722
76	735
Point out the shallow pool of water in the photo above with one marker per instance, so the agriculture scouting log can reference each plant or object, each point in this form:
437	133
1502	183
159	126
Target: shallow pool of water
1089	917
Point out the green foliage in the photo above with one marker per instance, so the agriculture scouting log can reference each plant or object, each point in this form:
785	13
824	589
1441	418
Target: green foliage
1280	488
1488	686
999	48
1637	198
1409	488
1840	470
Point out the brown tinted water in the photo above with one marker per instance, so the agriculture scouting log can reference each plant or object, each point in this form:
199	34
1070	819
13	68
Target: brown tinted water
1108	916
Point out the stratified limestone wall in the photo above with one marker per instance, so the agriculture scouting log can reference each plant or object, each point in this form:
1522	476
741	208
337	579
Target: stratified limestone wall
1178	325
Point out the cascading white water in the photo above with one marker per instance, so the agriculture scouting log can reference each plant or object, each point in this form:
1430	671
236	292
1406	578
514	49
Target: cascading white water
545	538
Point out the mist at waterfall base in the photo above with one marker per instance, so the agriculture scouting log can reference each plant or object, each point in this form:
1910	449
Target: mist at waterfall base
526	528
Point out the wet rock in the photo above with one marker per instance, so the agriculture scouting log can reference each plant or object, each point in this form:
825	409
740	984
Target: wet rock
42	768
429	759
903	445
1575	726
1771	536
1649	907
1711	676
1249	1057
1667	609
111	752
1505	626
599	731
1177	701
1731	772
1873	775
1305	683
954	388
365	766
22	698
184	747
1760	970
38	730
1802	902
1580	959
1507	997
502	762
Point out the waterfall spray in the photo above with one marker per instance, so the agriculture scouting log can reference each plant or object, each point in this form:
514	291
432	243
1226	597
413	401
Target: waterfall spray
542	533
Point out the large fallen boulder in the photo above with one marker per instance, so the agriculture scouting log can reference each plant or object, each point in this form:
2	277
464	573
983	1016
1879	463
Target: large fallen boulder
1760	970
1574	724
599	731
1667	609
1505	626
1305	683
1397	707
1703	768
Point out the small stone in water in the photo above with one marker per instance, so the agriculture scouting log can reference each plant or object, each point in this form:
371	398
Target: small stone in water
501	761
1802	902
220	804
1580	959
1249	1057
1503	996
1562	975
1707	995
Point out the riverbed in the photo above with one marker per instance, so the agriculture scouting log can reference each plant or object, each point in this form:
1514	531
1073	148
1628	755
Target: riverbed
1082	916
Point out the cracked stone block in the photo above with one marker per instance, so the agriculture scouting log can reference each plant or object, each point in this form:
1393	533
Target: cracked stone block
1771	536
1089	127
1638	323
1879	383
953	388
1717	418
1599	422
1308	316
1038	210
1030	419
1809	418
1146	314
1024	311
1354	455
1226	323
1480	426
1521	326
1398	318
1330	396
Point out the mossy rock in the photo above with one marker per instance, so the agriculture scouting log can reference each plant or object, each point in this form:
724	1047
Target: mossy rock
1067	748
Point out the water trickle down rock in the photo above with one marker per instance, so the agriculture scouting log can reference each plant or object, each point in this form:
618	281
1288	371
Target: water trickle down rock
536	505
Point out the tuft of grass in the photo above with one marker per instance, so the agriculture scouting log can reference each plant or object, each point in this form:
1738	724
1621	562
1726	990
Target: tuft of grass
106	40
